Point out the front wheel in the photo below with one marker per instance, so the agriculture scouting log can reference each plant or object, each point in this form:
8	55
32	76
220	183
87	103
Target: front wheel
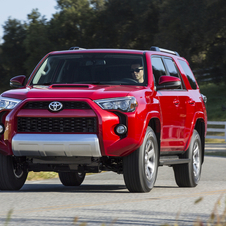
12	174
140	167
71	178
188	175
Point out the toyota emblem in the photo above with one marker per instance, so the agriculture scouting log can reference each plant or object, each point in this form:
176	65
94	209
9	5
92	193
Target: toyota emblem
55	106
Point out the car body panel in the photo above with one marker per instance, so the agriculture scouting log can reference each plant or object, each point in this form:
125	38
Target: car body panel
177	111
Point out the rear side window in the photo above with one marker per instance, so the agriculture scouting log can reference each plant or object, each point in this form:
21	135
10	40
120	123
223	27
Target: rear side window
158	68
171	67
188	73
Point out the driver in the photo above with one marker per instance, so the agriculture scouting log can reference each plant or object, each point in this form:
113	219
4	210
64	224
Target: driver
137	71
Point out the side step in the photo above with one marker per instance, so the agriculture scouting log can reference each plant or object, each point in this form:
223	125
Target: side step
172	160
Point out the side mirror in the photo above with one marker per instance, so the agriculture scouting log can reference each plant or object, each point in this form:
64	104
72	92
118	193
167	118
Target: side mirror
204	98
18	81
169	82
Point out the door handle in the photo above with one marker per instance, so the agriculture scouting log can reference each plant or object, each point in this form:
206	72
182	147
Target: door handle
176	102
192	102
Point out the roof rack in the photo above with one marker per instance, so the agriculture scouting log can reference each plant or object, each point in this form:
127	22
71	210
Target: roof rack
76	48
154	48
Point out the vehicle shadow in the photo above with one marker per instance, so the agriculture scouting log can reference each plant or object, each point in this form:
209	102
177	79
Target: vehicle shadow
84	188
73	189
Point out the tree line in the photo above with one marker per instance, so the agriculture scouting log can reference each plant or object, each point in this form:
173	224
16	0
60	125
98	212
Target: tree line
195	28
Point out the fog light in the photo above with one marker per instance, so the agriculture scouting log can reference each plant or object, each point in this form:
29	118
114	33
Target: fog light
1	129
121	129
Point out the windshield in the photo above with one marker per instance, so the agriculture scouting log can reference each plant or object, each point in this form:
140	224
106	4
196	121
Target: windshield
92	68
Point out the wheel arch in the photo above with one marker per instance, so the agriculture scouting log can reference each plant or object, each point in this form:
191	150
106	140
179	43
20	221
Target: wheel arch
155	124
200	128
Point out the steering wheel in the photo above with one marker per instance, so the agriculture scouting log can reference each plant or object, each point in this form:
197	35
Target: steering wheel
129	80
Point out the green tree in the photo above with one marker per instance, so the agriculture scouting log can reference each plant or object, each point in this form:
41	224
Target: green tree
4	82
215	39
197	30
69	27
98	5
126	24
37	42
182	26
12	55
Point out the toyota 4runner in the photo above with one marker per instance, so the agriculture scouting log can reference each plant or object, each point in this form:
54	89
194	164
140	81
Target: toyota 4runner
93	110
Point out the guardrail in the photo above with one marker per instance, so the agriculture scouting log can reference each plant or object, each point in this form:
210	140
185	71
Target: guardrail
217	130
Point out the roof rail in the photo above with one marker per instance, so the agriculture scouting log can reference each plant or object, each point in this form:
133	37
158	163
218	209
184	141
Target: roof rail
154	48
76	48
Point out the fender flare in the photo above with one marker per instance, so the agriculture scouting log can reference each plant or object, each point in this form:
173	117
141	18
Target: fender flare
198	115
151	115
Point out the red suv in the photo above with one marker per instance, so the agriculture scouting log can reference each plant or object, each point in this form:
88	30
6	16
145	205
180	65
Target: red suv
93	110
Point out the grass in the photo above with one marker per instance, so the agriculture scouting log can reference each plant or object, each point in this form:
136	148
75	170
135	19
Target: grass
216	101
32	176
41	175
216	153
215	219
8	218
219	141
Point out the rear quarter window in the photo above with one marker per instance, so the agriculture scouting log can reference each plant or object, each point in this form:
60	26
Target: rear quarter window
188	73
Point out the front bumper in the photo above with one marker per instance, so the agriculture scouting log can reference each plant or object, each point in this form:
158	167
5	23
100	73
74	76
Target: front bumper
102	142
69	145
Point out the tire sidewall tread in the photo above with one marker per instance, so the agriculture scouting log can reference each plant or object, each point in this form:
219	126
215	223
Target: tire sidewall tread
8	180
133	166
183	173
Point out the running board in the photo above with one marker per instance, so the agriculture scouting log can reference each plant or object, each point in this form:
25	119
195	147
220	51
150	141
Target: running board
172	160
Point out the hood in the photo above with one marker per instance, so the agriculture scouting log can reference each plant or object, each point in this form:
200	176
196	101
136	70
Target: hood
92	92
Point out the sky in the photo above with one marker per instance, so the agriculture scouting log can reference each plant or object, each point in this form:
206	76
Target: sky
19	9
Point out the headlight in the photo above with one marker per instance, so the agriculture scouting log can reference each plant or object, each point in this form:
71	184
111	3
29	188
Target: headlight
8	103
126	104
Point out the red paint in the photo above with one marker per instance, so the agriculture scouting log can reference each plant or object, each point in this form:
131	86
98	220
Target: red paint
164	79
177	111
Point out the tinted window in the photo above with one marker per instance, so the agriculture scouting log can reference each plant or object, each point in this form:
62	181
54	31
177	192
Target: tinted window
188	73
91	68
158	68
171	67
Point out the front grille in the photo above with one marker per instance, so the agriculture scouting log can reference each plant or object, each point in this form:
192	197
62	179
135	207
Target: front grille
66	105
57	125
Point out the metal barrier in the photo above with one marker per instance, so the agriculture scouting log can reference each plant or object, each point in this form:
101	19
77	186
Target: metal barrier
216	130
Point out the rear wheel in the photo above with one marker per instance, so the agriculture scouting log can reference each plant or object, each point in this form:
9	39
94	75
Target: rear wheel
140	167
71	178
188	175
12	174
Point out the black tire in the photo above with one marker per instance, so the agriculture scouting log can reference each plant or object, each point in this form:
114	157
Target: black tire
71	178
188	175
140	167
12	176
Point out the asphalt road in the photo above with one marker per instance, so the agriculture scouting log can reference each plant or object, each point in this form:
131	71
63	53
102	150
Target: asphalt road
104	199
